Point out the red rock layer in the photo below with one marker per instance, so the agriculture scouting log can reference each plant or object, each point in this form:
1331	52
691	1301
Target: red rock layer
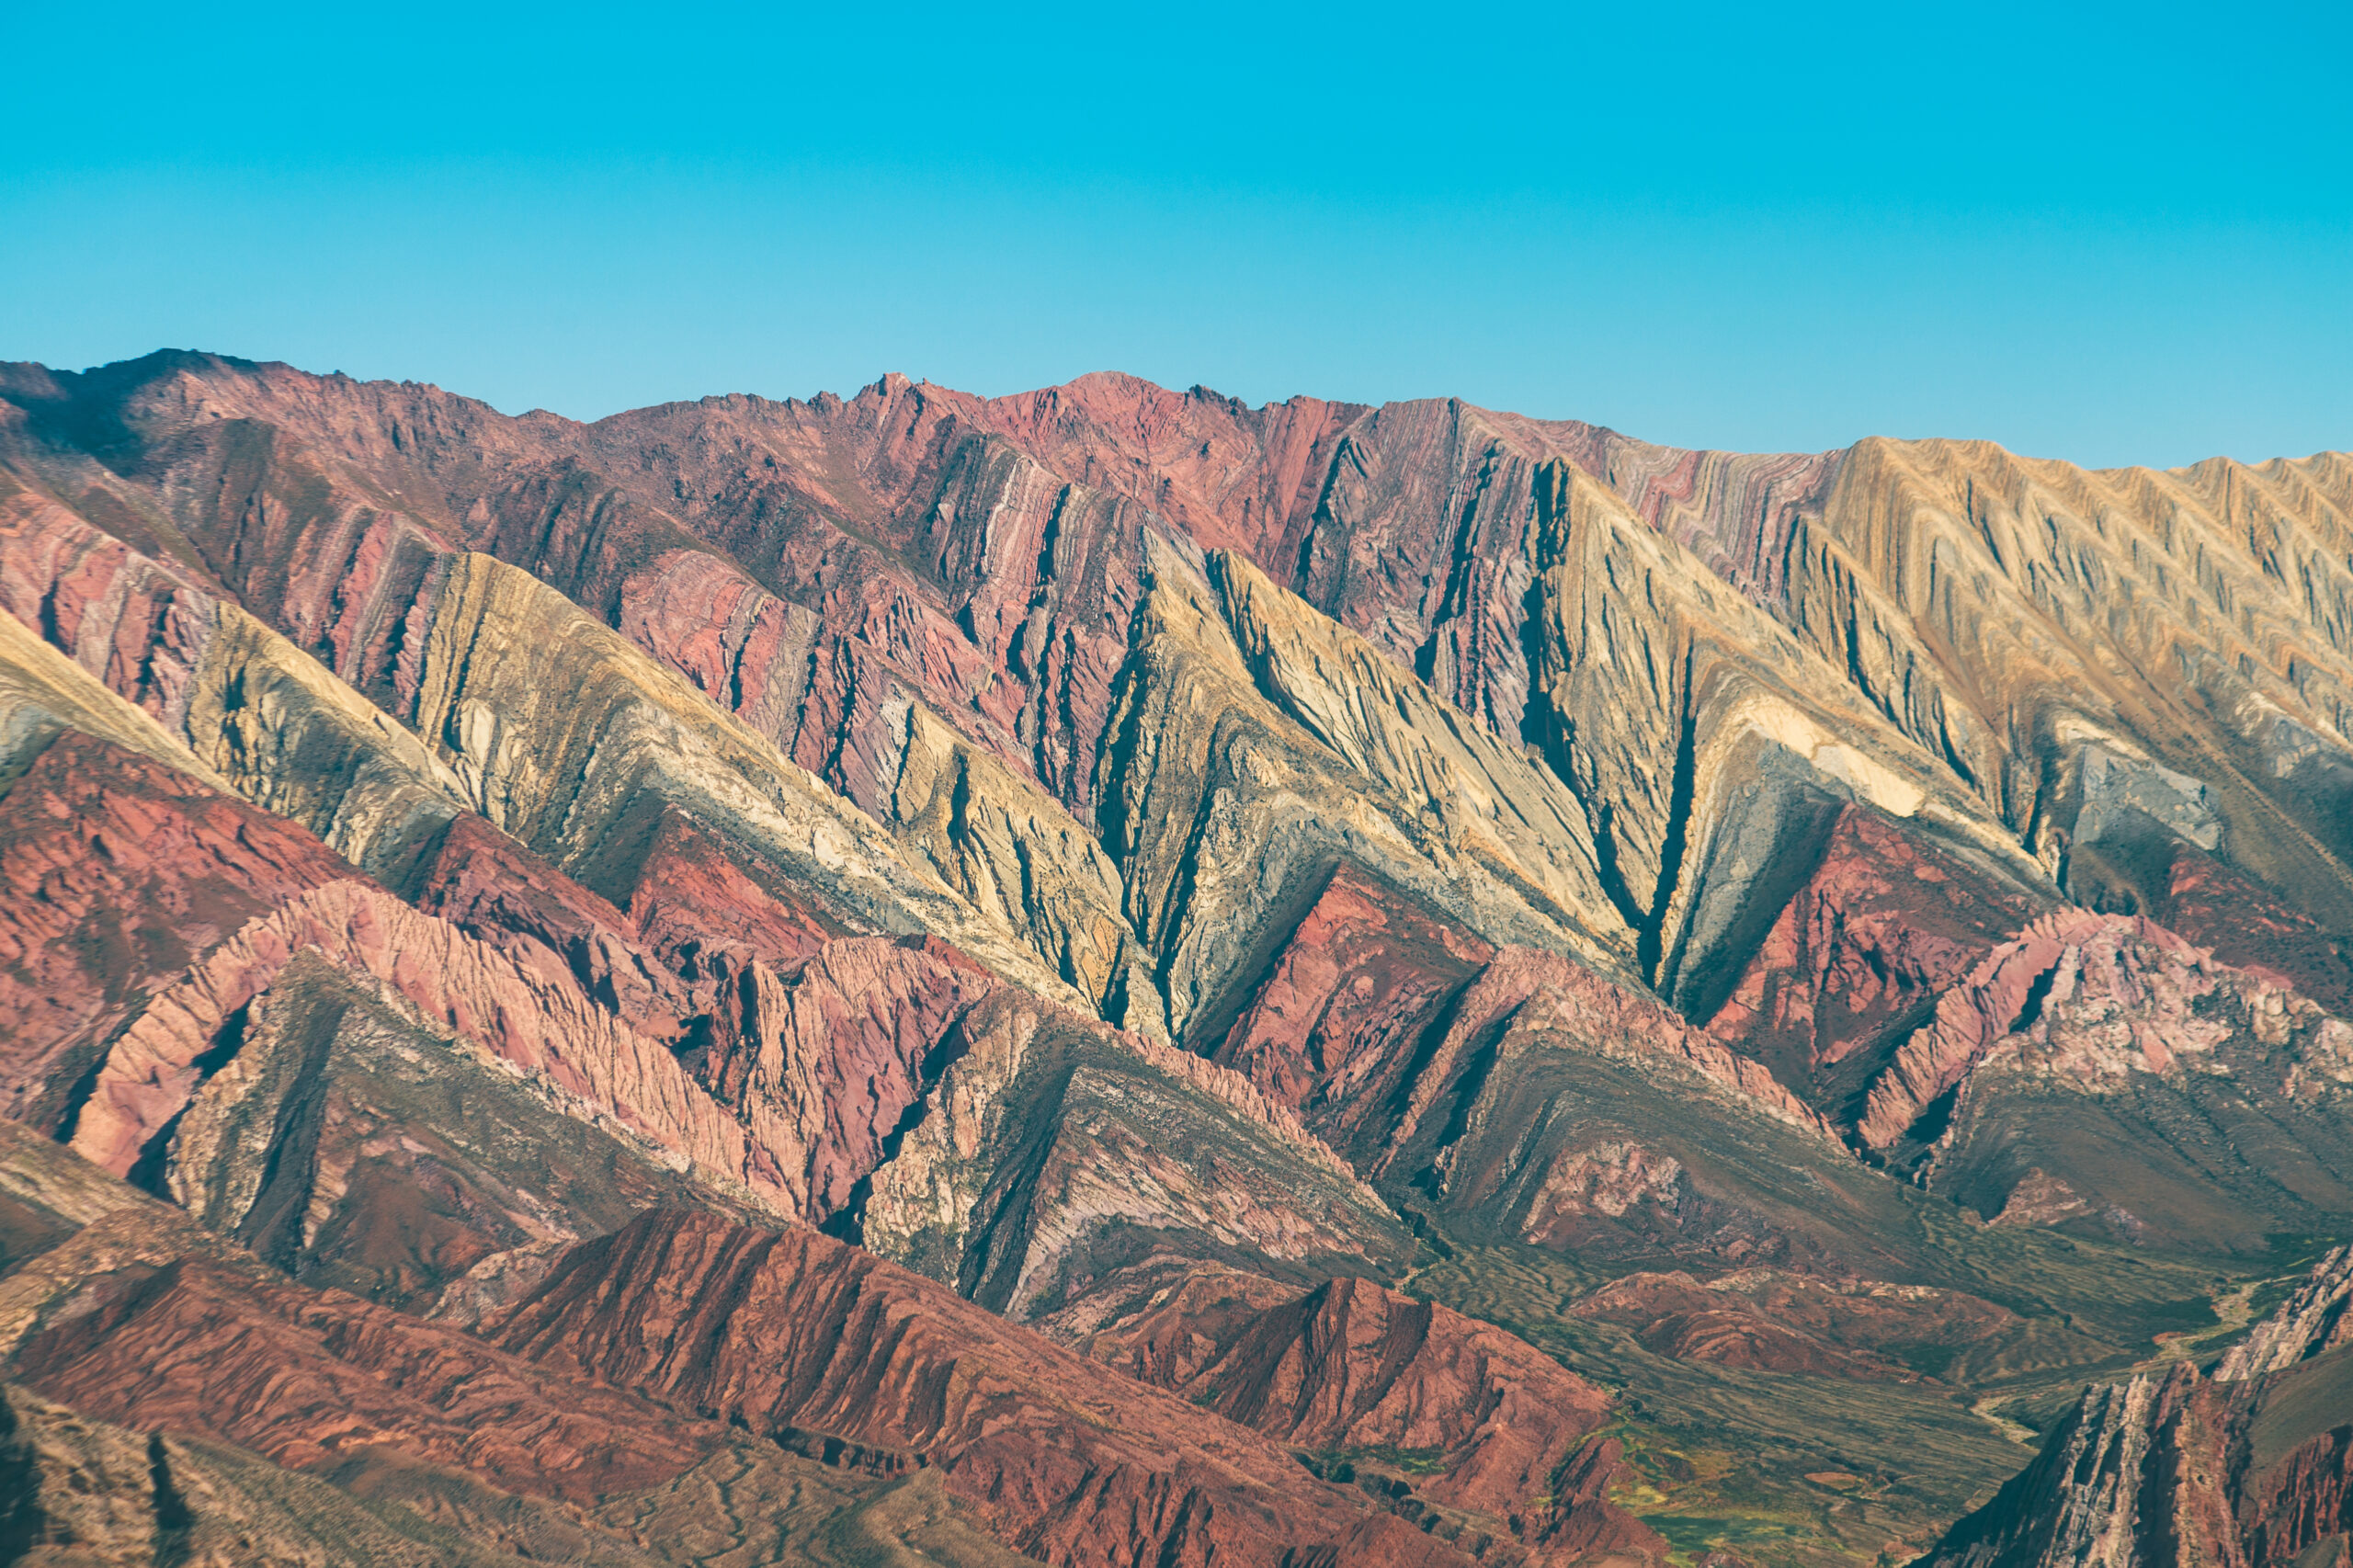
1372	1008
1353	1366
1970	1018
494	888
537	1020
2133	971
2248	928
2299	1504
1063	1460
1884	926
1233	477
1331	1029
1787	1322
1524	993
818	1046
825	1059
116	873
311	1379
136	623
706	911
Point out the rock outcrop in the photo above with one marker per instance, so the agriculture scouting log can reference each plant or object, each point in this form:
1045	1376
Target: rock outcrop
538	1023
1363	1378
2098	652
632	737
1331	1029
1701	739
42	693
351	1148
2252	1469
1053	1151
1069	1462
2311	1322
264	718
119	872
1881	925
2100	1069
1225	814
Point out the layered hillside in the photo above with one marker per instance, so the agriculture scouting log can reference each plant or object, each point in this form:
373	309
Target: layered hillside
2252	1464
1110	976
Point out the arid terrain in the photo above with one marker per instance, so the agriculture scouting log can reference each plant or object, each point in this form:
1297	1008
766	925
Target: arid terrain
1109	977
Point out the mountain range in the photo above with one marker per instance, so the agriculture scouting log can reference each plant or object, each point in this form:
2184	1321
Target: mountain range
1111	977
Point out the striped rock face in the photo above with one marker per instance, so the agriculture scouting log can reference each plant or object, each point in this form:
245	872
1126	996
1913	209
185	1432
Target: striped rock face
1110	976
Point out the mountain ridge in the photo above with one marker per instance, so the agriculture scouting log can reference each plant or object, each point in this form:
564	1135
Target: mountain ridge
1346	914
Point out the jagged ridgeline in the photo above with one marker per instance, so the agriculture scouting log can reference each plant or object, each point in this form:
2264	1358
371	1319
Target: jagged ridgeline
1108	976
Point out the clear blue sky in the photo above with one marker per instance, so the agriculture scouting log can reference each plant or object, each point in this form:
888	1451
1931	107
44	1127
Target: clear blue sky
2111	233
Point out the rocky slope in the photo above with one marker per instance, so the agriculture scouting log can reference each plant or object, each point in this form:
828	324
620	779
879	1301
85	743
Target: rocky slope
2097	1069
538	1414
1521	995
123	871
2252	1465
1454	1422
793	1333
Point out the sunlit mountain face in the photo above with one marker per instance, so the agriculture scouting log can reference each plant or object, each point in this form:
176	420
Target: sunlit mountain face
1111	977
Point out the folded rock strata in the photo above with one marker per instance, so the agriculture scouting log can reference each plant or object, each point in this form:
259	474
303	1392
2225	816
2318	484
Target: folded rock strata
351	1148
792	1331
1053	1151
2172	1467
1359	1376
121	872
538	1023
2100	1068
1105	842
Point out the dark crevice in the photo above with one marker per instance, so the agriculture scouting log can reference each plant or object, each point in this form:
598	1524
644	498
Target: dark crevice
1180	893
1952	754
1426	1044
1678	829
1459	571
692	1048
1278	921
2032	1008
1934	1118
1476	1066
1613	879
272	1227
175	1521
225	1044
149	1172
1048	538
70	1120
848	1223
1005	1216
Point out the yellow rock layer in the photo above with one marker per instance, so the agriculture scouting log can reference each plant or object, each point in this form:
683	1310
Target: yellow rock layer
1223	812
1661	690
1012	851
42	691
1493	804
2007	612
293	738
555	726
